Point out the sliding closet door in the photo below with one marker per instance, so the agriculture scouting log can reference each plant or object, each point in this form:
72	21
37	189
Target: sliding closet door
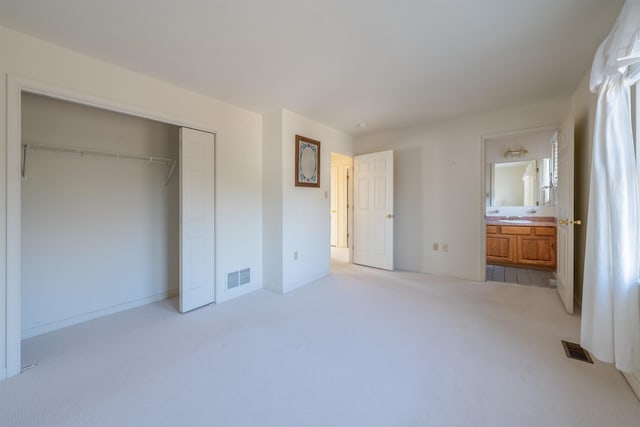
197	268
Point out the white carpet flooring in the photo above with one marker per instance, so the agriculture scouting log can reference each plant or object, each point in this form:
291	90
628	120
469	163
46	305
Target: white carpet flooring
359	348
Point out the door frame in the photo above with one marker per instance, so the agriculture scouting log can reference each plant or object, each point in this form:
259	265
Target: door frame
483	173
348	186
10	162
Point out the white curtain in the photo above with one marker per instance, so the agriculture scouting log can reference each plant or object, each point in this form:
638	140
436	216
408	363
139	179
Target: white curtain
611	294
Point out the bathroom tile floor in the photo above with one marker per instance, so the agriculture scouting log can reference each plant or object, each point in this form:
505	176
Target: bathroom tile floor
522	276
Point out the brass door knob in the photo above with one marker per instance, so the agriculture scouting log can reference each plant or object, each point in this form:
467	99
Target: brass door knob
389	216
570	222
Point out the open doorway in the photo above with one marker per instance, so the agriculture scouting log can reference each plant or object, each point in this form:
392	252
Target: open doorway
341	202
521	182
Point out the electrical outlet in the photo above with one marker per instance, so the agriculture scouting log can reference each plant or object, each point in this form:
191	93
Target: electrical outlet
435	246
445	247
295	255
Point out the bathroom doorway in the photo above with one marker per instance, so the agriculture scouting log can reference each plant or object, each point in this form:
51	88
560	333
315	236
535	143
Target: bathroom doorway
521	177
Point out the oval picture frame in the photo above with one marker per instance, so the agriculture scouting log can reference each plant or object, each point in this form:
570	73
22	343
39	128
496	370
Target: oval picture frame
307	172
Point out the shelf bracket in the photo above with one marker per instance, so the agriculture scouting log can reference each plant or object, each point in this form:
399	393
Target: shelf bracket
173	167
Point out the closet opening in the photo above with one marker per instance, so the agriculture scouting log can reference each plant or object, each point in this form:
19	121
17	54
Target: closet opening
100	223
100	205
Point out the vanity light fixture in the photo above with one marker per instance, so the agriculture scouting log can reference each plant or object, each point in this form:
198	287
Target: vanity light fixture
522	152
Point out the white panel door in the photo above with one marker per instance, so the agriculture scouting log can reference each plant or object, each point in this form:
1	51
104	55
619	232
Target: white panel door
373	210
334	206
565	213
197	239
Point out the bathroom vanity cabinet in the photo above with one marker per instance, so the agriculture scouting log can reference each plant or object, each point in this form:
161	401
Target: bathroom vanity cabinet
522	245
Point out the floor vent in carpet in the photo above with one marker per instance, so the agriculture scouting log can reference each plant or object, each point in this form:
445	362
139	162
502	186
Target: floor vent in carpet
574	351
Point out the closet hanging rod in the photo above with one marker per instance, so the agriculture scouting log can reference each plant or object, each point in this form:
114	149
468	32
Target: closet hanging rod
90	152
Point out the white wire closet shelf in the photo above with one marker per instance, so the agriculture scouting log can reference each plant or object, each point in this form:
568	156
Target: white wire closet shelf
91	152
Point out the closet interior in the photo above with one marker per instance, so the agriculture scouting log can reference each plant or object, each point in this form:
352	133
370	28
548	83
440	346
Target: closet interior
99	213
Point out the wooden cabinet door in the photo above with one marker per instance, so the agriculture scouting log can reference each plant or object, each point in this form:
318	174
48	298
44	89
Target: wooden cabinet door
537	251
501	248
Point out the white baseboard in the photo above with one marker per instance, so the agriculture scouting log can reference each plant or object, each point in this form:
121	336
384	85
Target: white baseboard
634	382
229	294
292	286
59	324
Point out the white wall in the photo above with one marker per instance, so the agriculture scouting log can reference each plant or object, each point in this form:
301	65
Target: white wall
440	187
238	148
5	310
98	234
272	200
304	219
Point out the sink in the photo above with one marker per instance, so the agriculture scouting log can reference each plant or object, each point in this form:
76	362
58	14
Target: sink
517	221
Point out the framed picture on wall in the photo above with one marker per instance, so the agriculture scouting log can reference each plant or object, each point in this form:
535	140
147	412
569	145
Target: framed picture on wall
307	162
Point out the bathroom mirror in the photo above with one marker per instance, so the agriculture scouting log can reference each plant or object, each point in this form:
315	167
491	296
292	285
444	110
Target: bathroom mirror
521	183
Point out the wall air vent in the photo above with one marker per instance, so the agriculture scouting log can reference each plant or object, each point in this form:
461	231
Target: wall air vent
245	276
232	280
237	278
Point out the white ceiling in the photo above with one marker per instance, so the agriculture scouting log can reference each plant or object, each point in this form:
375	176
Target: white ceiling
388	63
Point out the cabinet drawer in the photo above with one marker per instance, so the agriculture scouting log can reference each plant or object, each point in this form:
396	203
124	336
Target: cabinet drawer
519	231
544	231
492	229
